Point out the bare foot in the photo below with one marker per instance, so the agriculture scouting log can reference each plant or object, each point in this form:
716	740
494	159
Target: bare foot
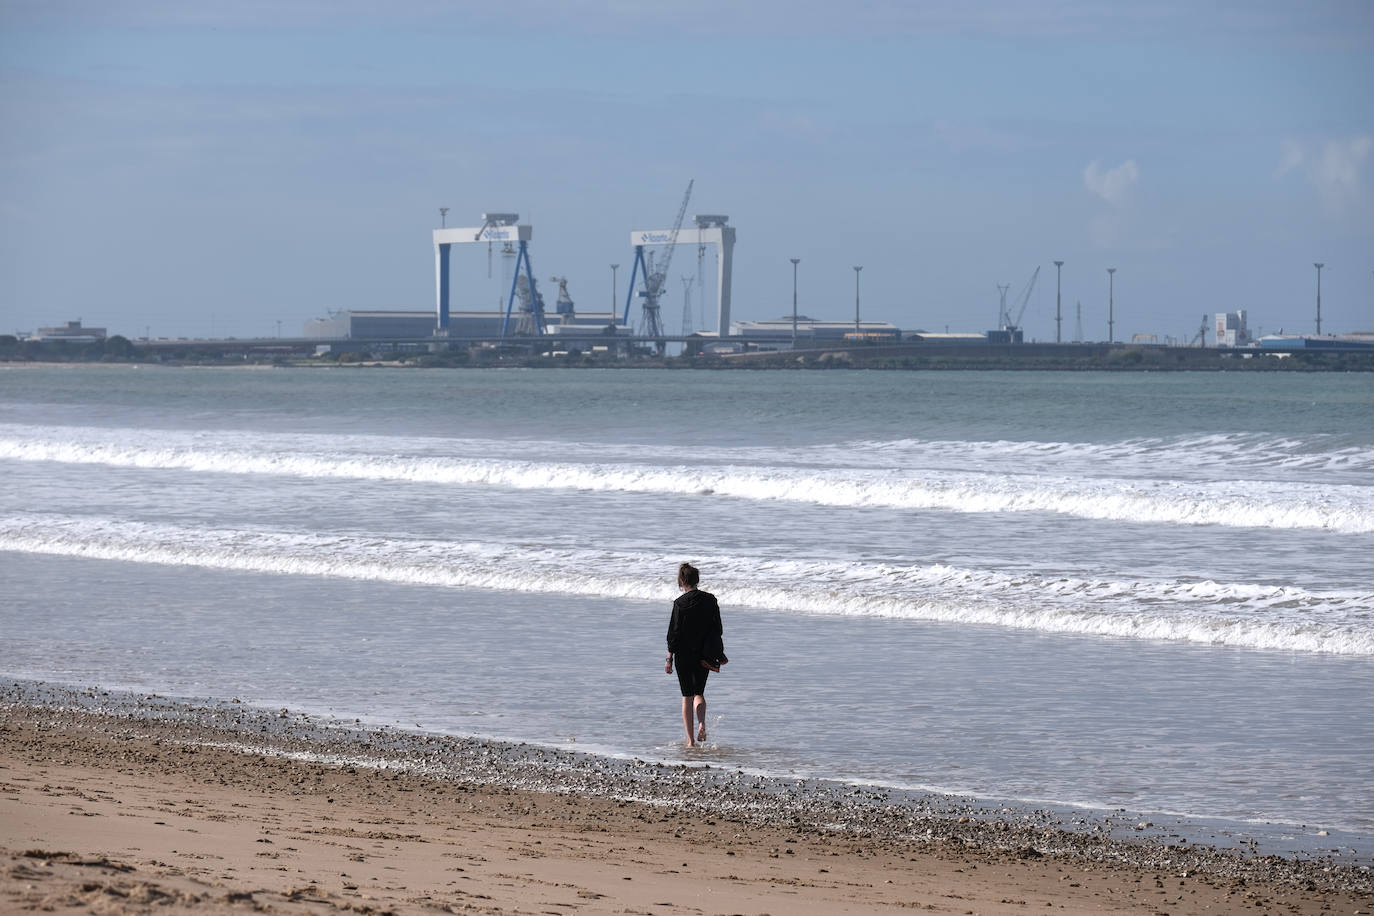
701	732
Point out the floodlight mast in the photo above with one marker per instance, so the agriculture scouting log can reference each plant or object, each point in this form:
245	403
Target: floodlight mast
1111	308
857	332
1319	296
1058	301
614	268
795	262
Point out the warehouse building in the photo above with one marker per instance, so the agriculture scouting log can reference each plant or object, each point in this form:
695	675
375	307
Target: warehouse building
809	331
371	324
71	332
379	324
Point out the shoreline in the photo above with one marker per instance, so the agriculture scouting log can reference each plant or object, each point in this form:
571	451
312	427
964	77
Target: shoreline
641	805
668	775
1127	360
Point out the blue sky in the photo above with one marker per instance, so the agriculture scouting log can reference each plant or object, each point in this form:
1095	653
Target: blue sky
214	168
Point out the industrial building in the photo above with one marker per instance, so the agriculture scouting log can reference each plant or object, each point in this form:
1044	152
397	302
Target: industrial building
71	332
808	331
379	324
1286	342
1232	329
584	323
371	324
957	337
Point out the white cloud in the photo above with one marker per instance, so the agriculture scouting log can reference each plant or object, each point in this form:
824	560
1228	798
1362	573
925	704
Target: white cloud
1114	184
1336	173
1334	169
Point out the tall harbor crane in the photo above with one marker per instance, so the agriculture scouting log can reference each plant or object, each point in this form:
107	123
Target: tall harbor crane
711	229
1200	338
1014	324
529	321
655	276
565	309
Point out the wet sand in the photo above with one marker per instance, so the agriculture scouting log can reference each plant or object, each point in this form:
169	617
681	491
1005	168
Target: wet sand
121	813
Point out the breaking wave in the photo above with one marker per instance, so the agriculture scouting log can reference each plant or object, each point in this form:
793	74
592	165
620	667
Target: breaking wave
1245	615
839	476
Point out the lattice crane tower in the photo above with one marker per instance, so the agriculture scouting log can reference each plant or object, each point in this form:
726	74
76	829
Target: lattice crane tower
656	276
710	229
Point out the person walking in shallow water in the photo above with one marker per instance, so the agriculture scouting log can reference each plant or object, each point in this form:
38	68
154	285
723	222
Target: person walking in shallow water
694	643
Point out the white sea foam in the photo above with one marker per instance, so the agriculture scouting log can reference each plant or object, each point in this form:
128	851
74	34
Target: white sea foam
1232	614
1227	452
768	475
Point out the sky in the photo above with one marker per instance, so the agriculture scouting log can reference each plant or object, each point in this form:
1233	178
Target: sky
182	168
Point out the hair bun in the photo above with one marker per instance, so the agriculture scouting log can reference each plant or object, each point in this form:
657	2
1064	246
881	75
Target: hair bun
688	576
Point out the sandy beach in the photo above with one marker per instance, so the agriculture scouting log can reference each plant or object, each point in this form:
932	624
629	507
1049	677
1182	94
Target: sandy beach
115	814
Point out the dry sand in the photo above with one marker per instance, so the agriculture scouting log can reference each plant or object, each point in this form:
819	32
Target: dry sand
96	819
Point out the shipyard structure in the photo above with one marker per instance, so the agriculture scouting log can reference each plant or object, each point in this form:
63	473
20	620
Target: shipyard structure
523	321
526	319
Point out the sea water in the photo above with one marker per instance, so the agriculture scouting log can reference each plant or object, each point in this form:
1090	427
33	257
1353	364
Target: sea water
1141	592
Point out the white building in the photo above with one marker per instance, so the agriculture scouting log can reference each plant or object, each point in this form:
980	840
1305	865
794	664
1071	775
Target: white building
809	331
381	324
371	324
1232	331
71	332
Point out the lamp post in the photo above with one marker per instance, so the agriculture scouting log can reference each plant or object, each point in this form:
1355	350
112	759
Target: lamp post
857	332
795	262
443	217
1319	297
1058	321
1111	309
614	268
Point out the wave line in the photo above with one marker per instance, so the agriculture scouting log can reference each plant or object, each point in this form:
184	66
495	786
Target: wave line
1230	614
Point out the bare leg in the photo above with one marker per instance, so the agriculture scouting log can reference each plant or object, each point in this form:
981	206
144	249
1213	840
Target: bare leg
701	717
687	719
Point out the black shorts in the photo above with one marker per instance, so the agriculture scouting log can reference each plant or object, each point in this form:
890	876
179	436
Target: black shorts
691	676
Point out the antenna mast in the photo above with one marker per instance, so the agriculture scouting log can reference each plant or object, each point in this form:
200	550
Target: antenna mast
687	305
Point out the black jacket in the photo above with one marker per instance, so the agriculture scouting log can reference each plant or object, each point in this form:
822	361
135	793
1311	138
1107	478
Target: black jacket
694	630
